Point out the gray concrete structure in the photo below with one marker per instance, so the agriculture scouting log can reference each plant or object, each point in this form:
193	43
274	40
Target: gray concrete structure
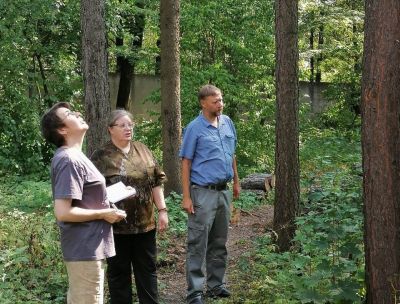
144	85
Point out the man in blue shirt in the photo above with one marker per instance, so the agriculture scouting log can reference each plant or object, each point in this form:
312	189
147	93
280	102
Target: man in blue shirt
208	164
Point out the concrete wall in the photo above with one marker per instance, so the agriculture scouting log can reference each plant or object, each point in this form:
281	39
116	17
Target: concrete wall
313	94
144	85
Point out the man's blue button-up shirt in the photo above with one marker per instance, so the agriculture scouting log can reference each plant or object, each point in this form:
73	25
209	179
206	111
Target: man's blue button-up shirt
210	149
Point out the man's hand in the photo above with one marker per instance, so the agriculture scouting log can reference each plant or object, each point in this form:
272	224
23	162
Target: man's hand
187	205
236	190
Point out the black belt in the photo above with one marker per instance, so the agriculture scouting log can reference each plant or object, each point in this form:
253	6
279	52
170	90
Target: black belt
217	187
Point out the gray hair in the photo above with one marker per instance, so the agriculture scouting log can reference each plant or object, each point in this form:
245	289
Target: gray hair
117	114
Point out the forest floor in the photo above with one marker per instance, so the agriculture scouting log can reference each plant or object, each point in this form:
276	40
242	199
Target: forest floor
245	227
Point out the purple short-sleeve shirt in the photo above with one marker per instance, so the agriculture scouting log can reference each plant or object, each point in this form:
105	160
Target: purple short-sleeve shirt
75	177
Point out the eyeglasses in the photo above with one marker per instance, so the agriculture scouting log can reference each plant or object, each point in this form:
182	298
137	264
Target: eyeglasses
124	126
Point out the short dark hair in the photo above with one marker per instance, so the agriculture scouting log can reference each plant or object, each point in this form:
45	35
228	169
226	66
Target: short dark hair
50	124
208	90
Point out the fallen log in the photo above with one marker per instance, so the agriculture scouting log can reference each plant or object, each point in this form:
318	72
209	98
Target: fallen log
258	181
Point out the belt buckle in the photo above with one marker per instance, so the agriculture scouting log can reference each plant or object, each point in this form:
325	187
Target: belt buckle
218	187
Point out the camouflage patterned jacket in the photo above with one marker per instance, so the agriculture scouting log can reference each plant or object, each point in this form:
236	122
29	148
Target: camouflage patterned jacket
139	169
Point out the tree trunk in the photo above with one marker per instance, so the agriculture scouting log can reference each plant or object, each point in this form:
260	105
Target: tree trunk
125	70
312	68
126	65
381	150
318	74
311	78
170	93
95	72
287	191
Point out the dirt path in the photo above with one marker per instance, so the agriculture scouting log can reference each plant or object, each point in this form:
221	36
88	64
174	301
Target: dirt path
245	228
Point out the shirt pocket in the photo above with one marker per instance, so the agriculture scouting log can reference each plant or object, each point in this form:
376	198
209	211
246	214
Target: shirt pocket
229	143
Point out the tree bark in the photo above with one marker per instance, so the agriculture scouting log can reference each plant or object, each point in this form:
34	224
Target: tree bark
170	93
287	191
126	65
95	72
125	69
381	150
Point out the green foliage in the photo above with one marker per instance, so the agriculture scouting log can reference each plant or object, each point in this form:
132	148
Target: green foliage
25	193
38	65
330	259
325	150
336	54
227	44
177	216
340	24
249	200
31	265
345	106
149	133
326	262
121	22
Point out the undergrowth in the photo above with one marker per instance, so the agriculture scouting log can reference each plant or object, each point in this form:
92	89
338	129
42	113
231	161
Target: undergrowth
31	264
326	261
325	264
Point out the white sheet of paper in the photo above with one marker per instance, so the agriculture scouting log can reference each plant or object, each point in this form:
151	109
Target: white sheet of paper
119	191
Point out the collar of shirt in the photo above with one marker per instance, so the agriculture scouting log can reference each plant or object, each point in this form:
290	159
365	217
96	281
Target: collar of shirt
207	123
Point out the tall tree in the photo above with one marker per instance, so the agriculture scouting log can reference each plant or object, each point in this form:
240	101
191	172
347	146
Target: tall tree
287	192
381	149
95	71
170	92
126	62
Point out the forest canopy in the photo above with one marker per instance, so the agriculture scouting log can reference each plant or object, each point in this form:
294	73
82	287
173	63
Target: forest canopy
225	42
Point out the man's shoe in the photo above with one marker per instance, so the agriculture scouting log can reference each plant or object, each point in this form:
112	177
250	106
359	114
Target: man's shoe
219	292
195	300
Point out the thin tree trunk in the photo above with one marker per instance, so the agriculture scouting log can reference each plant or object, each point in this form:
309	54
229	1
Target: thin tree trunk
43	75
311	79
126	65
95	72
125	70
287	191
381	150
170	93
318	74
